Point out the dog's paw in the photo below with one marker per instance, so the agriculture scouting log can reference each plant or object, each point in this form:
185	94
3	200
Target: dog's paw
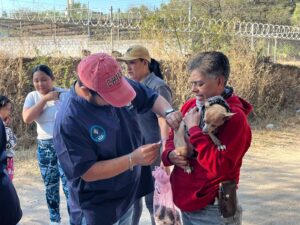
221	147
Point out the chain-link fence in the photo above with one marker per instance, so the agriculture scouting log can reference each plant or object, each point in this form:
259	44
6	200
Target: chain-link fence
68	32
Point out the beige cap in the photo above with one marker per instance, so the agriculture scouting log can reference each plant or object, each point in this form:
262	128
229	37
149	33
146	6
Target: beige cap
136	52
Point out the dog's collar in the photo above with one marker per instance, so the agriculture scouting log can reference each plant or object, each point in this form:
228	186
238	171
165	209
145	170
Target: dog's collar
228	91
213	100
218	100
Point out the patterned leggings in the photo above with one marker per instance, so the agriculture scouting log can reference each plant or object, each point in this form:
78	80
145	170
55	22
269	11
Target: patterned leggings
51	171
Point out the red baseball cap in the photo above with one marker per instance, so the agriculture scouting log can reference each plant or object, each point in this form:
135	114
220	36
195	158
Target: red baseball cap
101	73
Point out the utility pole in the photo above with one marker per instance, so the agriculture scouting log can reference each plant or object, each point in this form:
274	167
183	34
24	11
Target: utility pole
88	18
70	4
190	20
2	10
111	29
190	14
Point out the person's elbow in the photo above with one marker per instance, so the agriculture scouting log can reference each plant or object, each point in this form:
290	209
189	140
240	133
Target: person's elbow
89	176
27	119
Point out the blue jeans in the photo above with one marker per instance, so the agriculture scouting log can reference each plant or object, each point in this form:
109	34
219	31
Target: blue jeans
126	218
51	171
210	215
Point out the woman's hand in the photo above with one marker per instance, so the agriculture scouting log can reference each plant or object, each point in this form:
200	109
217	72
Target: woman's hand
51	96
177	159
32	113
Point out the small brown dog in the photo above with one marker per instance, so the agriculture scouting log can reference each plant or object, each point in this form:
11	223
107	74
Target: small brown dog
215	115
181	146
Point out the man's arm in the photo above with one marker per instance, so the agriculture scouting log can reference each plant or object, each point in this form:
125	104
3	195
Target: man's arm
144	155
161	106
107	169
166	93
164	131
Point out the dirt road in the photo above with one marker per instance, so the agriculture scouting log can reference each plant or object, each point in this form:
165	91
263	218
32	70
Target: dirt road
269	185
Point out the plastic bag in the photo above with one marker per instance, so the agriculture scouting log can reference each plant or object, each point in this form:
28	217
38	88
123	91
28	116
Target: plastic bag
165	211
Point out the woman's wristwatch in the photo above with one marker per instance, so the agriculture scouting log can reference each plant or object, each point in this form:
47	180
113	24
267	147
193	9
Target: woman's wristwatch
168	111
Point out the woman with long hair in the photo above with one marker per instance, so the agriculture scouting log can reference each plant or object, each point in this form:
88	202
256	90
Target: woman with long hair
142	68
41	106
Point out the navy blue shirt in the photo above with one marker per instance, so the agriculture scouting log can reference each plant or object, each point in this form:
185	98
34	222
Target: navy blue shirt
3	158
85	134
10	210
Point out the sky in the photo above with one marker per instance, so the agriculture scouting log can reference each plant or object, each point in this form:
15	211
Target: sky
97	5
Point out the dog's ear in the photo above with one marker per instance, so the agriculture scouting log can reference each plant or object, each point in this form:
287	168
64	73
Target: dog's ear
227	115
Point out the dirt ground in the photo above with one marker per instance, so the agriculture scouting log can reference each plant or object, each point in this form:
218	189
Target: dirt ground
269	185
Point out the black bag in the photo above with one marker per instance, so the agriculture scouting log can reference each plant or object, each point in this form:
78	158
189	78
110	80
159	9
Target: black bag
227	198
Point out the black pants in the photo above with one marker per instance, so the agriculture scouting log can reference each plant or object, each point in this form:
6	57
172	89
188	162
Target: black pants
10	210
138	209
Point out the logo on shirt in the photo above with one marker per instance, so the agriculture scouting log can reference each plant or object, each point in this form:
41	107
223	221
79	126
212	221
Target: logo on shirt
97	133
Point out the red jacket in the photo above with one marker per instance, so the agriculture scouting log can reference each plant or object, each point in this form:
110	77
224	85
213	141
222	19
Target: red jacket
195	191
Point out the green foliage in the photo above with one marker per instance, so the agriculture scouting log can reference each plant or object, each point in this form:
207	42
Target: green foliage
263	11
142	10
175	21
295	20
286	50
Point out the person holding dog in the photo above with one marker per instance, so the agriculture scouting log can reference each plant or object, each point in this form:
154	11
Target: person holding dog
196	194
146	70
99	142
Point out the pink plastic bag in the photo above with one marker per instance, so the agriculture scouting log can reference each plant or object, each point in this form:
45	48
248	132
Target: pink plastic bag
10	167
165	211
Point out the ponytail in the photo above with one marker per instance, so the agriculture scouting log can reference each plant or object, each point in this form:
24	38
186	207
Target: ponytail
154	67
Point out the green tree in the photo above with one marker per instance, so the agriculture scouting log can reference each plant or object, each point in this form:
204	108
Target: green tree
263	11
295	20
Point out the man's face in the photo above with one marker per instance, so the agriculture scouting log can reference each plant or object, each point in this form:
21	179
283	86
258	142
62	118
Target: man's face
96	99
205	87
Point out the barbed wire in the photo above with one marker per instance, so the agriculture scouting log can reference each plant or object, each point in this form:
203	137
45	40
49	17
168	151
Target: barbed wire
136	20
